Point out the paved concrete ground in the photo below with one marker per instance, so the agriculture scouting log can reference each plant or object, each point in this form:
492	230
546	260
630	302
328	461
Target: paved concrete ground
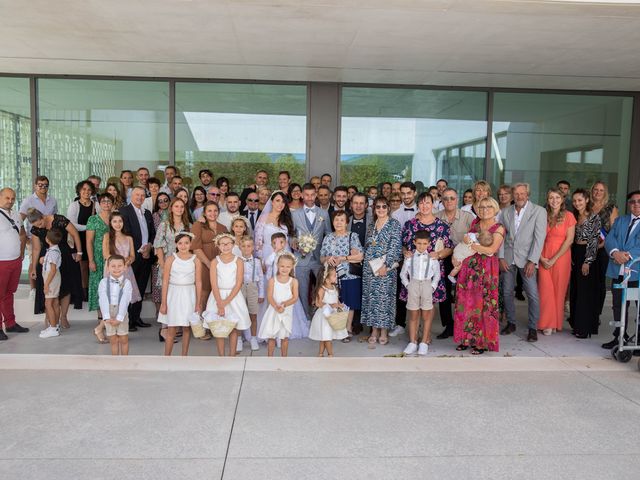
93	417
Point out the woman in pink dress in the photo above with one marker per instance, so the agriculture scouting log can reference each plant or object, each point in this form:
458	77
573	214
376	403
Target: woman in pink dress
476	320
555	263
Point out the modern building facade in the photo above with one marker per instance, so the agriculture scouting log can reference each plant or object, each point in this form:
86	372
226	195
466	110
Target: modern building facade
387	108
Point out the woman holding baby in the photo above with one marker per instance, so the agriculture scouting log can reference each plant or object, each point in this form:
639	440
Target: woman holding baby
476	319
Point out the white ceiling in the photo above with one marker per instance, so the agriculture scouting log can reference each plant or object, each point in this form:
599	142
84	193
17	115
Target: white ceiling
510	43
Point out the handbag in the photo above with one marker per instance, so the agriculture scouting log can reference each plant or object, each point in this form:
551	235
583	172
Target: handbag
220	327
354	268
338	319
196	326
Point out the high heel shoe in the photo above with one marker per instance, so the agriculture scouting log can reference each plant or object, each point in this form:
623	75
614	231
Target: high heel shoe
160	337
583	335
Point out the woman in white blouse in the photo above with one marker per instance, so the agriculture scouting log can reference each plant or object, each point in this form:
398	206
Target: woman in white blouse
78	213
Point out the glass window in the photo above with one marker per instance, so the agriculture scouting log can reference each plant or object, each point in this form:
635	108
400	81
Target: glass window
99	127
15	136
236	129
394	134
551	137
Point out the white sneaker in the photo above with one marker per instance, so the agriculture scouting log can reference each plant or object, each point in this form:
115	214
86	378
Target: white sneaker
547	331
239	345
411	349
423	349
399	330
254	344
50	332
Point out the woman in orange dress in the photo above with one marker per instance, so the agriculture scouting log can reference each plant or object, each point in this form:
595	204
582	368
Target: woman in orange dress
554	270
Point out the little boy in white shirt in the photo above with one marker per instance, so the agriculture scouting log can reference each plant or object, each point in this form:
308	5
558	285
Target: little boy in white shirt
252	288
114	294
51	264
420	275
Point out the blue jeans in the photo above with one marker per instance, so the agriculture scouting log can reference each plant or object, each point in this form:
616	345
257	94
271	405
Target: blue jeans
530	286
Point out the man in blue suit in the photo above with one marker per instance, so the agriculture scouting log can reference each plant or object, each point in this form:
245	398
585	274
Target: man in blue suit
315	221
623	244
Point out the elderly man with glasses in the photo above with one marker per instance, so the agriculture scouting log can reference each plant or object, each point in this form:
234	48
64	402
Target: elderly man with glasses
459	223
252	210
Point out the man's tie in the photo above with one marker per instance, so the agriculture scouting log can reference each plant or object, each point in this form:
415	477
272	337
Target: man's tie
633	222
252	220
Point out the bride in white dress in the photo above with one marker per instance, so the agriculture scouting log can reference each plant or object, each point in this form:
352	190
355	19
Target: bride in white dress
276	218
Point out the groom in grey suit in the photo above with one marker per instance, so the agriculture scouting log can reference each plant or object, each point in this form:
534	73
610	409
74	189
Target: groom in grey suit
315	221
526	229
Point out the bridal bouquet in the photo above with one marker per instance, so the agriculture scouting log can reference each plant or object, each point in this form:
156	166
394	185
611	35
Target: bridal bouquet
307	243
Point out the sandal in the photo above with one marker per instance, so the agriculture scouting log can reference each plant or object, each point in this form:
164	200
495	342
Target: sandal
383	341
462	347
98	332
477	351
372	339
347	339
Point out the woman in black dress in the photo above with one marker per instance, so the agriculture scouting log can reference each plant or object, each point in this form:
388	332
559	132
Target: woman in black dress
584	295
79	212
71	286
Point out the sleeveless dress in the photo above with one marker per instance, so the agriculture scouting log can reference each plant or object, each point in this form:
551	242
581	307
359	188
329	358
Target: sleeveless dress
237	309
123	249
274	324
181	296
320	330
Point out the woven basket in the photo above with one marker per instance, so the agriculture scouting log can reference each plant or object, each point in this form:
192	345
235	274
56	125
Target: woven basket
197	330
221	328
338	320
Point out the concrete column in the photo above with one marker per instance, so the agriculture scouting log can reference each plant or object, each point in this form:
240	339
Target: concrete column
323	130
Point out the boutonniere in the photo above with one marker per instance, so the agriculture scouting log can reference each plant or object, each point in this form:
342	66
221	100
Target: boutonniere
321	219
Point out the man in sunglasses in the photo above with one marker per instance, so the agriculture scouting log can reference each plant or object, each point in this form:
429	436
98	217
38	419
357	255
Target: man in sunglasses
623	244
40	200
252	212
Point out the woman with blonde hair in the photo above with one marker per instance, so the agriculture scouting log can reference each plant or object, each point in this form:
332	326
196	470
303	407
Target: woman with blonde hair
481	190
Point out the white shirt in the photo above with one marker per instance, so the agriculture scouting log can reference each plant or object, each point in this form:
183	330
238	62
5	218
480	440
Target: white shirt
9	237
144	231
53	255
147	204
404	213
420	267
106	301
226	219
517	217
310	213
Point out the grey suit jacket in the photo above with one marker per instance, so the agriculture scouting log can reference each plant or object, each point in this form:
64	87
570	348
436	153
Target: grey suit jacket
526	245
321	227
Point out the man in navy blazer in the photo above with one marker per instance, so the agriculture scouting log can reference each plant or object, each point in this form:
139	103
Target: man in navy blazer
139	223
315	221
623	244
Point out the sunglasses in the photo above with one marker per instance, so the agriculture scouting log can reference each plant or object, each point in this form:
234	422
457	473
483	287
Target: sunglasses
42	185
634	202
164	200
252	200
214	194
381	207
448	199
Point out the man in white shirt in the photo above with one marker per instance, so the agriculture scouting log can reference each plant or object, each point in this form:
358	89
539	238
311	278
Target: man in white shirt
142	175
408	209
232	212
12	242
169	172
324	197
206	178
40	200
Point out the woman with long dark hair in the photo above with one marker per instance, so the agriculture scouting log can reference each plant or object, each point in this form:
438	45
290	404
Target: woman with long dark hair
276	217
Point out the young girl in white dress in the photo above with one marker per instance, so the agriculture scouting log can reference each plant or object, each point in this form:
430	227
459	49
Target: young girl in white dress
326	300
226	299
118	242
239	228
181	291
282	294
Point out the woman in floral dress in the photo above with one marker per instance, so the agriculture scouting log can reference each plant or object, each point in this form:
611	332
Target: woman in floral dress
476	320
379	290
440	246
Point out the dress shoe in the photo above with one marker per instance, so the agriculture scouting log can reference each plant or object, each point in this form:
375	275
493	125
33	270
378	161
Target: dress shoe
143	324
613	343
3	336
520	296
17	329
533	335
133	328
508	329
445	334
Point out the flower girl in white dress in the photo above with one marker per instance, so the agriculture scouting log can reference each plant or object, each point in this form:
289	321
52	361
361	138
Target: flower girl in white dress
181	290
327	301
282	294
226	299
